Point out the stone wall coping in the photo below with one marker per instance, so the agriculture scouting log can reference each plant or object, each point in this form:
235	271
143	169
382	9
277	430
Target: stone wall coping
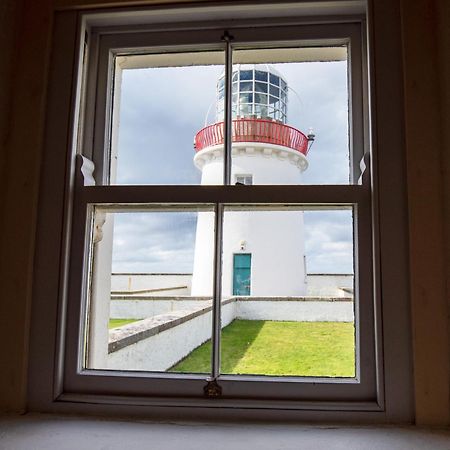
134	332
316	298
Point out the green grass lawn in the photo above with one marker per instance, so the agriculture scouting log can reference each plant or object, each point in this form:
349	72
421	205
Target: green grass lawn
280	348
115	323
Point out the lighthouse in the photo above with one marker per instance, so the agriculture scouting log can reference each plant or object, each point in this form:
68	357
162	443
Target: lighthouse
263	250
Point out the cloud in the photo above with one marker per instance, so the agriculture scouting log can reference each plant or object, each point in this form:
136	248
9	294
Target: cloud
154	242
329	241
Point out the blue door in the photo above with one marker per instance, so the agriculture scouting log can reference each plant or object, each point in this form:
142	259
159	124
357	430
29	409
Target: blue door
241	273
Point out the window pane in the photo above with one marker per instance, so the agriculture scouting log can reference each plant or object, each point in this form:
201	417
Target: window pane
260	75
146	311
160	103
246	86
246	74
274	91
313	82
261	98
261	87
261	111
289	273
274	79
246	98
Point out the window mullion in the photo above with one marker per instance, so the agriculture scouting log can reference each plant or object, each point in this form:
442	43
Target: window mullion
217	292
218	221
228	123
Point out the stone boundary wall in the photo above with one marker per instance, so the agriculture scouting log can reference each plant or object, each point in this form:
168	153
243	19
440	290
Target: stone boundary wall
331	309
158	343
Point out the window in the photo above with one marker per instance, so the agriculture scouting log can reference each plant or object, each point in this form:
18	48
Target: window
220	251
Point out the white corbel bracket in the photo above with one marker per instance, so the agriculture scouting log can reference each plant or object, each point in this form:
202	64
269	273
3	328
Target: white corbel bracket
364	166
85	171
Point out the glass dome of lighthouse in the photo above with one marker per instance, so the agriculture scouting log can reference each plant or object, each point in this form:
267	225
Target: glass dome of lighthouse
258	91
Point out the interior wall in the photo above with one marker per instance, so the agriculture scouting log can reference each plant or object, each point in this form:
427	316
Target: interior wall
423	74
425	26
25	30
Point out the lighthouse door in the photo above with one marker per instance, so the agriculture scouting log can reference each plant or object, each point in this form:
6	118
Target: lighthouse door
241	273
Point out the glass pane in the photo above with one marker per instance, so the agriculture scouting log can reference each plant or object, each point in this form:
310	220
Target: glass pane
261	87
246	86
274	79
260	75
162	103
246	98
261	111
246	75
147	311
308	90
245	110
261	98
274	91
289	274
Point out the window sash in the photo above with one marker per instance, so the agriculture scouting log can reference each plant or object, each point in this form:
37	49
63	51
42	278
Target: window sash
364	388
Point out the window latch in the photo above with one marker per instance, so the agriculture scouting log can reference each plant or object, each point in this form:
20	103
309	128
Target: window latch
212	389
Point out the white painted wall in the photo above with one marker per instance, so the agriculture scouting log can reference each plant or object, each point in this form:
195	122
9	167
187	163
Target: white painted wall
142	308
163	350
275	239
329	285
142	281
295	309
299	311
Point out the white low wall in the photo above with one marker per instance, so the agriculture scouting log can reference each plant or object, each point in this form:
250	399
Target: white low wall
296	310
162	350
122	307
124	282
325	284
300	309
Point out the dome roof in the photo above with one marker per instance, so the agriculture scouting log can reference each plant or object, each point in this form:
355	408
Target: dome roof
258	91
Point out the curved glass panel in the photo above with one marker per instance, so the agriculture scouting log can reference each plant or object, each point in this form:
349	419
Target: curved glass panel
253	88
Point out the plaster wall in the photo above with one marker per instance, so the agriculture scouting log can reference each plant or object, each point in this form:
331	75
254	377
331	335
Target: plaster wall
298	311
27	38
141	308
153	281
329	284
295	309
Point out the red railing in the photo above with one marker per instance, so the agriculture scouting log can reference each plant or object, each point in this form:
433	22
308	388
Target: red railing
253	130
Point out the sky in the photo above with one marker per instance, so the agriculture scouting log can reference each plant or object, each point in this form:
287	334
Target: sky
161	109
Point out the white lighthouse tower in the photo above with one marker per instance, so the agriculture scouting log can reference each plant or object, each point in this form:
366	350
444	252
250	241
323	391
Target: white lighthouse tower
263	251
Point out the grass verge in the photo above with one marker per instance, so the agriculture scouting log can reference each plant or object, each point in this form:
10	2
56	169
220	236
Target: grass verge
319	349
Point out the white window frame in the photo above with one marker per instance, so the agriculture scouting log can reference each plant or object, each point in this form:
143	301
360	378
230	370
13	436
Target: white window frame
68	384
